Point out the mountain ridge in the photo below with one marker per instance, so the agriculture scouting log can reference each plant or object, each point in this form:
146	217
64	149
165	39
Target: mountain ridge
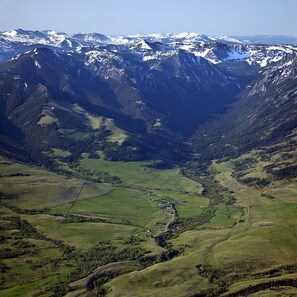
169	84
17	41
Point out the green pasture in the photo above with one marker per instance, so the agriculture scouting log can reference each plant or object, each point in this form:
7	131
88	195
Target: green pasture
131	206
81	235
138	173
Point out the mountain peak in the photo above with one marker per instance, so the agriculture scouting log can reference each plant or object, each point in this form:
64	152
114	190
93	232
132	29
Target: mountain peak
187	35
11	33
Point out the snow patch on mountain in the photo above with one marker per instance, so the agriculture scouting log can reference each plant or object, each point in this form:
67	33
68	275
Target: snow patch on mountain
37	64
236	55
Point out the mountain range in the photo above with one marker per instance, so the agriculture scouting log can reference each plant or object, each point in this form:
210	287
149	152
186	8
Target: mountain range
65	87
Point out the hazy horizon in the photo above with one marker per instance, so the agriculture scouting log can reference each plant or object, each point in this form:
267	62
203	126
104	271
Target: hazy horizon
151	33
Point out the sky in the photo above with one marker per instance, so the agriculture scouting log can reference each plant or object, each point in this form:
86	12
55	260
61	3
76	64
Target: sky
122	17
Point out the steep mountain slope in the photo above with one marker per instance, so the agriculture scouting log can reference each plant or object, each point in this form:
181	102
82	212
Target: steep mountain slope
66	88
58	96
264	114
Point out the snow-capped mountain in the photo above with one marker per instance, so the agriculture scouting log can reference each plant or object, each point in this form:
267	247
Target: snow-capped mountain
149	46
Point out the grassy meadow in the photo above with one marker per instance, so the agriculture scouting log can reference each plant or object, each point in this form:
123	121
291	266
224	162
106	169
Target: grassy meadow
250	242
57	229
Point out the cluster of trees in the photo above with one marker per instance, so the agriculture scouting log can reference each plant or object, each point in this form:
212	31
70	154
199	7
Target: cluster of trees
97	282
93	175
28	231
103	253
59	290
255	181
244	164
69	218
186	224
23	211
100	254
3	267
211	188
6	253
251	289
15	174
48	136
286	172
214	276
160	164
231	200
115	152
167	255
133	240
211	273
